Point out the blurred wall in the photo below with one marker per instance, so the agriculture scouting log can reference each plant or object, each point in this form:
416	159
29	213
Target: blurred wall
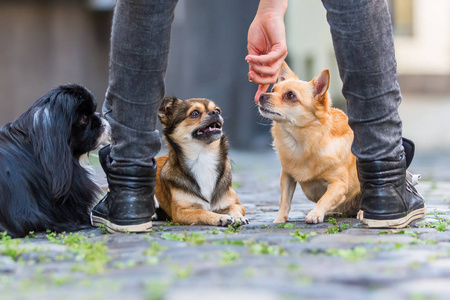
44	43
423	55
47	43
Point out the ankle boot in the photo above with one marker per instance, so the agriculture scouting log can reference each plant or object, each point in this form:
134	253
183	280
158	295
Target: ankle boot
129	204
388	199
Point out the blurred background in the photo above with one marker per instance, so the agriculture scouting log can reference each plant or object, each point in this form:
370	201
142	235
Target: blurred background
45	43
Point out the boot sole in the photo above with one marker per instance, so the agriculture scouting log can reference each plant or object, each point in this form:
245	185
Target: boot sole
114	228
394	223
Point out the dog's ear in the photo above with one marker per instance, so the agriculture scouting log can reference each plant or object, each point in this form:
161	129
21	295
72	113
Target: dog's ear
166	109
321	83
285	72
51	129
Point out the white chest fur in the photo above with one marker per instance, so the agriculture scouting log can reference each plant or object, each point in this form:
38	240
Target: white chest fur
203	165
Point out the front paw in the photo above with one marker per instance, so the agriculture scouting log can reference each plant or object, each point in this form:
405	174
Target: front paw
225	220
314	217
280	218
241	220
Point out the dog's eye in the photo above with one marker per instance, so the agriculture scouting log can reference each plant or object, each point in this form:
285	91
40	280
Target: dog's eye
290	95
84	119
194	114
272	90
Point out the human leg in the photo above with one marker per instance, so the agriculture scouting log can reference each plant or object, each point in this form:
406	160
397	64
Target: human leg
140	40
364	47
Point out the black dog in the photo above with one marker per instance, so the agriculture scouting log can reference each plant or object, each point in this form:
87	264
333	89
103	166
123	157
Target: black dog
42	184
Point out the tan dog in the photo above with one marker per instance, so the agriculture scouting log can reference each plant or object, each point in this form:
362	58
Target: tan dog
193	182
313	141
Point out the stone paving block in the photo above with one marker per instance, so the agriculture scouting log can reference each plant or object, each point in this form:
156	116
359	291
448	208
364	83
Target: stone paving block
260	260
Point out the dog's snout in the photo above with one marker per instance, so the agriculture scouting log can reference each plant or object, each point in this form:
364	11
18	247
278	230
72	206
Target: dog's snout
263	99
213	112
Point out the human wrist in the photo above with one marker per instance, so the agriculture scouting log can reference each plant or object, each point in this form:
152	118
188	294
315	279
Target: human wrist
275	8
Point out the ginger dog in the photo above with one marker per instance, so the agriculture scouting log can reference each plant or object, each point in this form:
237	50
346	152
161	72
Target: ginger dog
313	141
193	182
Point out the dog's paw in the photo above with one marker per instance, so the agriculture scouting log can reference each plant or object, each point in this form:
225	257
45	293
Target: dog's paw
314	217
280	219
225	220
242	220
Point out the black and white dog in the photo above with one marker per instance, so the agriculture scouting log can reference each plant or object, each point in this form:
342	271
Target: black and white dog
42	184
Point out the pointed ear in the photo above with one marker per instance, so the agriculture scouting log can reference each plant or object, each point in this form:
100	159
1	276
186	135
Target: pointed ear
166	109
285	72
321	83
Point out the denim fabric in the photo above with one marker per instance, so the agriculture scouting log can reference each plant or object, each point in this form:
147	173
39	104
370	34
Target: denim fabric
140	40
364	47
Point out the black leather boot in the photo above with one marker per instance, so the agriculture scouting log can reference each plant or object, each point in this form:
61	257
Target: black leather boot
388	199
129	205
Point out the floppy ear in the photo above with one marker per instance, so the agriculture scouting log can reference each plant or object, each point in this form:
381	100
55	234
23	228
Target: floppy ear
166	109
285	72
51	129
321	83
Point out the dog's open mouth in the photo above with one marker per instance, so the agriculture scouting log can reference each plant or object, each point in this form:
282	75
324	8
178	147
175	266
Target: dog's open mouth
208	131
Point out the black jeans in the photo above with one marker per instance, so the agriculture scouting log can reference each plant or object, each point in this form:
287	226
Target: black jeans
364	48
140	39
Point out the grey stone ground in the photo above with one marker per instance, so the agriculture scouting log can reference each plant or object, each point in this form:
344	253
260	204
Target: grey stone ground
257	261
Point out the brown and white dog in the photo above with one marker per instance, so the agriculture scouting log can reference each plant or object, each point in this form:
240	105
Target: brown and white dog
193	182
313	141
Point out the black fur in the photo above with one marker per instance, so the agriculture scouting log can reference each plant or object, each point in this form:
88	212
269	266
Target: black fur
42	184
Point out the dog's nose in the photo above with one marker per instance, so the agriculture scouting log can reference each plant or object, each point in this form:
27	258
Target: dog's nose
263	98
213	112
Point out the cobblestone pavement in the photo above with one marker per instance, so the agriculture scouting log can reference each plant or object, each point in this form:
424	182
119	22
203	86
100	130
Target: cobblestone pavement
337	259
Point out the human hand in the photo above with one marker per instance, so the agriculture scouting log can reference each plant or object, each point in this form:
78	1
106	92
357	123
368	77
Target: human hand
266	44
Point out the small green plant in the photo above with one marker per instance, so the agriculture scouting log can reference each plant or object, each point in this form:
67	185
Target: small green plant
172	223
436	213
194	238
124	265
233	229
301	236
337	227
102	228
155	249
266	249
286	226
441	225
174	236
93	256
269	228
10	247
53	236
183	273
31	235
60	280
156	290
293	267
225	241
229	257
355	254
